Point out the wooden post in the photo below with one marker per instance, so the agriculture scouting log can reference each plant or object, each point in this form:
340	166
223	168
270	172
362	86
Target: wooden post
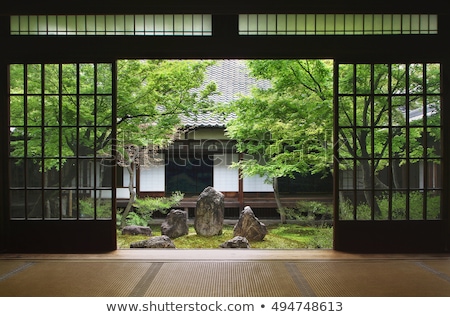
241	186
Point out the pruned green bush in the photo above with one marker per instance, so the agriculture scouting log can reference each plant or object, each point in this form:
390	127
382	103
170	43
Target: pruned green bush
397	204
306	210
144	208
89	208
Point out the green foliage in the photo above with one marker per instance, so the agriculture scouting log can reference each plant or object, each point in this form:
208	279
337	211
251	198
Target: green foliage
161	204
67	113
381	111
398	207
315	209
153	94
286	129
415	206
136	219
88	208
363	211
311	210
323	239
291	236
290	127
144	208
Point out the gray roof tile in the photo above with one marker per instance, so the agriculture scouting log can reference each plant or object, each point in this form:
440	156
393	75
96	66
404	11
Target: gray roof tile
232	79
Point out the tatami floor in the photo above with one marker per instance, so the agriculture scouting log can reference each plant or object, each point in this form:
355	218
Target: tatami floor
224	273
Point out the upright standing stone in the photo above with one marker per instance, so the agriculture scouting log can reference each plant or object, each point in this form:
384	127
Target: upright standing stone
249	226
209	213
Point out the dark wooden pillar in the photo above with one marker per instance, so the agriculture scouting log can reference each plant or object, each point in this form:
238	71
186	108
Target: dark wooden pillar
4	132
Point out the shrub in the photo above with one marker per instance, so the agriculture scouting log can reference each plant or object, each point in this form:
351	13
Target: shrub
136	220
318	210
322	239
102	209
416	200
310	211
144	208
398	207
363	211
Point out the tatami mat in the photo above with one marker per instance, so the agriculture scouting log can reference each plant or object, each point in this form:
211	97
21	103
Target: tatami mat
223	279
265	275
392	278
8	268
441	268
74	279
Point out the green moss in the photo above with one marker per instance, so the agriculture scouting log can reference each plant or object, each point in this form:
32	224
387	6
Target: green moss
282	236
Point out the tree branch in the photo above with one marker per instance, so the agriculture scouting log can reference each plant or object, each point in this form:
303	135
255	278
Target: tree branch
349	147
129	116
301	82
319	87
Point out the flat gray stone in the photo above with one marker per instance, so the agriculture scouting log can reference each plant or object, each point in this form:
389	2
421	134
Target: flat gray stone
236	243
154	243
137	230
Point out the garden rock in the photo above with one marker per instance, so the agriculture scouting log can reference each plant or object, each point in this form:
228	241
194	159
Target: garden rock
154	242
249	226
137	230
175	225
236	243
209	213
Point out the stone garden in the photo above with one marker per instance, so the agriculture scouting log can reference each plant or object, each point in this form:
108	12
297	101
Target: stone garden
208	222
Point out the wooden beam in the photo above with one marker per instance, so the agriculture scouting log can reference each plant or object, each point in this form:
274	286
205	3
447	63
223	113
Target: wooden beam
220	7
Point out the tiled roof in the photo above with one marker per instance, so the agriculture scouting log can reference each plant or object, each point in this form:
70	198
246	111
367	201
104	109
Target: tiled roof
204	120
232	80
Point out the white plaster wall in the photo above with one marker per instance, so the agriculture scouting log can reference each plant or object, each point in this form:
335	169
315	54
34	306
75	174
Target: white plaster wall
225	178
256	184
152	178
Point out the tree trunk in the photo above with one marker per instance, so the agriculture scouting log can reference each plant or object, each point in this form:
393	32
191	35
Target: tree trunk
123	220
395	175
370	181
278	200
101	173
367	181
